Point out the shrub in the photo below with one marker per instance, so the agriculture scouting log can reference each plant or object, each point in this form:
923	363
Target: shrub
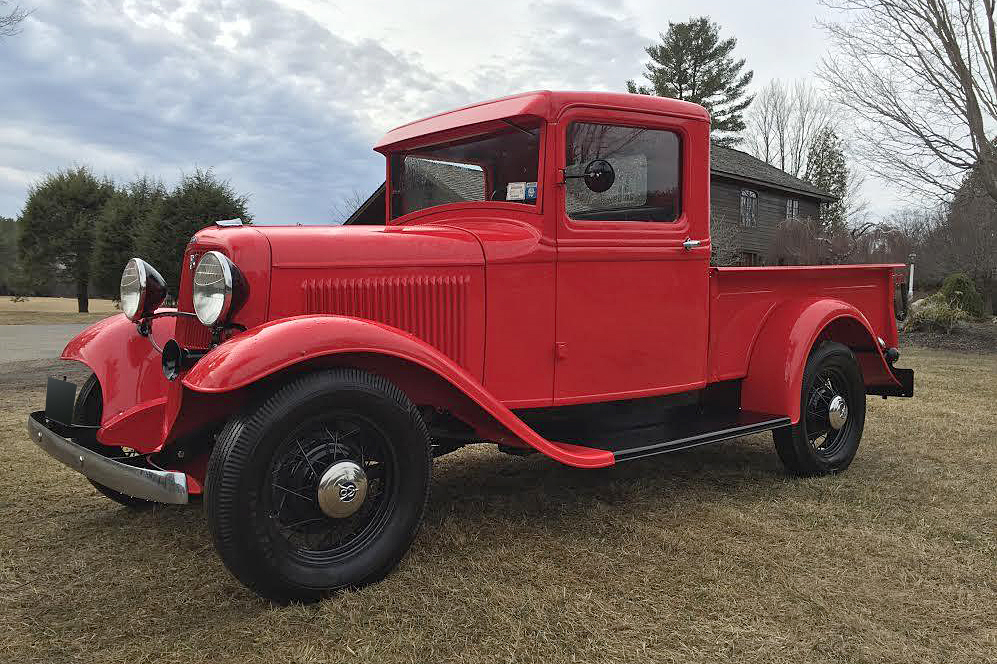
935	314
960	291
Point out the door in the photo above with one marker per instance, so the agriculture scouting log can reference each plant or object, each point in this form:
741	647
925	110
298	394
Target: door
632	302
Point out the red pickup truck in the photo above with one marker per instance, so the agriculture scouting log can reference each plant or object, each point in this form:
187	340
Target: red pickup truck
542	282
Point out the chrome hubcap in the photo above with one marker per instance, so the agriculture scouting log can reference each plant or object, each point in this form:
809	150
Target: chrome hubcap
342	489
837	412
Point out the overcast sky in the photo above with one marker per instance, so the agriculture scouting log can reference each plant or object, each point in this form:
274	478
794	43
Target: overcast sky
284	98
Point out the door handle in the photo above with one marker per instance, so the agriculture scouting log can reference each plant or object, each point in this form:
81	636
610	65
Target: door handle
690	244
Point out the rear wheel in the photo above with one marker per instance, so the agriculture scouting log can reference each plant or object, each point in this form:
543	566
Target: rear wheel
88	409
321	487
832	414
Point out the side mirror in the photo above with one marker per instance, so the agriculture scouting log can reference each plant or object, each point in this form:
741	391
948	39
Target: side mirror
599	175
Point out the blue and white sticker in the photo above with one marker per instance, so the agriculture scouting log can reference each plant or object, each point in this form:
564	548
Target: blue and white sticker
521	191
531	191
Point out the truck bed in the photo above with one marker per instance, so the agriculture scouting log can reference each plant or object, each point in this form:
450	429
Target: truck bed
743	298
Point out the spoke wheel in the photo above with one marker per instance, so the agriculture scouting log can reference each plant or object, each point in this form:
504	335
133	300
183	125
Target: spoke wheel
320	486
830	394
832	414
292	497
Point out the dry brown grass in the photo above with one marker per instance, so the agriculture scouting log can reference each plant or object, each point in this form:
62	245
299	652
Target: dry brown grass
52	310
712	555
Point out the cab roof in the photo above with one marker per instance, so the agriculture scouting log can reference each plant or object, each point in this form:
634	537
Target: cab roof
544	104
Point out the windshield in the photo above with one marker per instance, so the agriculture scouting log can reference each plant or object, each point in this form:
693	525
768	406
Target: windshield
498	166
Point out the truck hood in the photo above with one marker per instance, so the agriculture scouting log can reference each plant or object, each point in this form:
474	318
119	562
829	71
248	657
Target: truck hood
381	246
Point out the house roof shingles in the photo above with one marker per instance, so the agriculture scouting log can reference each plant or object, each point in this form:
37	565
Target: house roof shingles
742	166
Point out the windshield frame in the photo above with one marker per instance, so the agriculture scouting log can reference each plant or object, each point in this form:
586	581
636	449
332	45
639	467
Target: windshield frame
423	148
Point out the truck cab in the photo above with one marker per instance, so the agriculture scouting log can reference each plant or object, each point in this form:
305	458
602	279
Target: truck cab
596	225
540	282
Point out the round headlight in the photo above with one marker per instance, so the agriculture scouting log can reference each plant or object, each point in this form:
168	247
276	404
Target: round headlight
216	285
142	289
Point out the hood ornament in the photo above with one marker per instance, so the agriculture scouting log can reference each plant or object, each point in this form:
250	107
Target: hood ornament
228	222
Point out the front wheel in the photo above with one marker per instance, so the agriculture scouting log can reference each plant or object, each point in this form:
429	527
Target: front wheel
321	487
832	414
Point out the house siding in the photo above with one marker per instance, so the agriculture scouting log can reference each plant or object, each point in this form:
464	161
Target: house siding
725	206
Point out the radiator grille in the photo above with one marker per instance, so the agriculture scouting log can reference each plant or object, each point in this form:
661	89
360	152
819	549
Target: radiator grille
191	333
431	308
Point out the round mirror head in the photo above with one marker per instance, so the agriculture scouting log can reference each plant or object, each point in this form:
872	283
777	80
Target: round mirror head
599	175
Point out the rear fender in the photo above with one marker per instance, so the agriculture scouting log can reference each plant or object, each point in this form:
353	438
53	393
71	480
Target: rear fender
428	376
779	355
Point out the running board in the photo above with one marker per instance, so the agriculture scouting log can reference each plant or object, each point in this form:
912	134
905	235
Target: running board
702	432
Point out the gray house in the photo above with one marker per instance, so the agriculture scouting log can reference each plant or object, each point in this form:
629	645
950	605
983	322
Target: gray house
755	198
749	196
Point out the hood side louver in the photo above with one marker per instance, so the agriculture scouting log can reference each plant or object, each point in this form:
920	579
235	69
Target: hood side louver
429	307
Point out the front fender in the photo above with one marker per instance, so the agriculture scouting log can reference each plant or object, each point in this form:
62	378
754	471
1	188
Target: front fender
779	355
128	368
284	343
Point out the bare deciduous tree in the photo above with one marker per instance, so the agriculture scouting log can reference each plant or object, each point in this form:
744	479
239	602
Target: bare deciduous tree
347	205
783	122
724	249
921	77
10	21
805	241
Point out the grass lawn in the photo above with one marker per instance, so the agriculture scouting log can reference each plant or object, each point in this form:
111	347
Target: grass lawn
52	310
711	555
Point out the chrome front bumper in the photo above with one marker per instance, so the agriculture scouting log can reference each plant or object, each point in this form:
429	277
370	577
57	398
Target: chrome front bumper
161	486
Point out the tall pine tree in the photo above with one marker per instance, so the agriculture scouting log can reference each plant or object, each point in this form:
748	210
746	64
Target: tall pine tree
198	200
114	241
827	170
8	254
692	63
57	227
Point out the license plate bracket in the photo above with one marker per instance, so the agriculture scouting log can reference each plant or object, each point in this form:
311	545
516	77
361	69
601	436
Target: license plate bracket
60	401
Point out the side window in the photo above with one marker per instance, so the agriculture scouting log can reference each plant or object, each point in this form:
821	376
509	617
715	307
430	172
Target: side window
643	174
749	207
792	208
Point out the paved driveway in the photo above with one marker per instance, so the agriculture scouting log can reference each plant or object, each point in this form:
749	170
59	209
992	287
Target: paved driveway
35	342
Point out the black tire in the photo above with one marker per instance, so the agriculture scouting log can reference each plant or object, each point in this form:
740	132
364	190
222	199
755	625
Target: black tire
274	537
812	446
87	410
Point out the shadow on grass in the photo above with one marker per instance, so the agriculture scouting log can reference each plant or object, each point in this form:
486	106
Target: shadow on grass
108	574
522	498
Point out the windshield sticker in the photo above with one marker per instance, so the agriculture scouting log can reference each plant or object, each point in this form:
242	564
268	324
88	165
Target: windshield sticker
515	191
521	191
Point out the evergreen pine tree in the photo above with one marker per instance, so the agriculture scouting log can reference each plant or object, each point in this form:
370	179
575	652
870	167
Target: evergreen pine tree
114	241
827	170
198	200
692	63
57	227
8	254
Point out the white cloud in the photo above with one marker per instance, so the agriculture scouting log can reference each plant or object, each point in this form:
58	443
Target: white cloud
285	97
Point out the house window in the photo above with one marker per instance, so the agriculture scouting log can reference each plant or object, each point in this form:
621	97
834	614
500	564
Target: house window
749	207
792	208
750	259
